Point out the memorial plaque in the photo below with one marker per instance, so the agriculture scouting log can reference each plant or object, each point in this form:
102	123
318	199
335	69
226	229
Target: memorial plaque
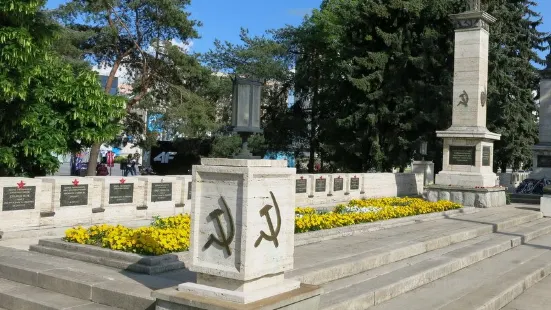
321	185
338	184
161	192
486	154
121	193
544	161
301	186
16	198
462	155
72	195
354	183
189	190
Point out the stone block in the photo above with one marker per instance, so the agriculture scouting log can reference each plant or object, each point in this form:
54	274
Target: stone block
303	189
545	205
72	199
242	236
444	195
161	195
456	197
183	204
21	200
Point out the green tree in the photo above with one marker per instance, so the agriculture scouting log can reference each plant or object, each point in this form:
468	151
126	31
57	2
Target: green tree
514	42
132	34
46	106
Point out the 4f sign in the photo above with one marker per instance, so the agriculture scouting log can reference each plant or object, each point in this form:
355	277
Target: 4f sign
164	157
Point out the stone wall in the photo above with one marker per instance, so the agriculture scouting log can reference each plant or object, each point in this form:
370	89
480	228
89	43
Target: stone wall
50	202
511	180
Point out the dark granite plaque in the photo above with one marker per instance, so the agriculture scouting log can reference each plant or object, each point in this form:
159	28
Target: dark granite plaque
544	161
71	195
462	155
321	185
121	193
189	190
486	154
338	184
354	183
300	187
161	192
16	198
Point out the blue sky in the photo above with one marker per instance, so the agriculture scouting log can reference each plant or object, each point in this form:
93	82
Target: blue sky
222	19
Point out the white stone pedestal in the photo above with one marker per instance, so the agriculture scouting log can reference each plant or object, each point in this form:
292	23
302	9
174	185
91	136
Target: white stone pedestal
545	205
426	168
242	235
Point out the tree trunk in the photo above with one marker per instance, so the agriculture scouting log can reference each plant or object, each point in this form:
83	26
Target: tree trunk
94	150
313	125
93	161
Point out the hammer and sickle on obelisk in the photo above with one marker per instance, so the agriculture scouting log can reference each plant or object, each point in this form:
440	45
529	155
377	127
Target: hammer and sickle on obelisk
224	241
464	98
273	232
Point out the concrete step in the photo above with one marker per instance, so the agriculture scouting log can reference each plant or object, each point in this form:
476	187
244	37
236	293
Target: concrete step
378	285
17	296
114	262
81	280
525	198
351	255
488	285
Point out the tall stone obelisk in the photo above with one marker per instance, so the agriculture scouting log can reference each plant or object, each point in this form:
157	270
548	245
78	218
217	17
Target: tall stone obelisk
542	151
467	176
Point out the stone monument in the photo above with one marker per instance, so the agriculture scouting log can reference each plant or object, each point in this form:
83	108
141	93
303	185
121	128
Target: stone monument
542	151
467	176
243	224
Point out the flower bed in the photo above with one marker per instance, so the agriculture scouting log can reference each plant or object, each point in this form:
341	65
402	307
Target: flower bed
368	210
164	236
172	234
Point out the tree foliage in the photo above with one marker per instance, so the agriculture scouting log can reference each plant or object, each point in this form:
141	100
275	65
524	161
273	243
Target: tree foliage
46	106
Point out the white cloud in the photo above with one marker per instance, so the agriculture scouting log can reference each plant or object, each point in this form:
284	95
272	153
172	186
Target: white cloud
184	46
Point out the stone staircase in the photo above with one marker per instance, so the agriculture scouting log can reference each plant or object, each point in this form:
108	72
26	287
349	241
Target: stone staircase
481	260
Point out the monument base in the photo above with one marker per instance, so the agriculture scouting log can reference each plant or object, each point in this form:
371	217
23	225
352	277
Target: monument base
304	297
237	291
467	196
466	179
542	162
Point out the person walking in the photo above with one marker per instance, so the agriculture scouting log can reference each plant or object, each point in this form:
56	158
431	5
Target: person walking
131	165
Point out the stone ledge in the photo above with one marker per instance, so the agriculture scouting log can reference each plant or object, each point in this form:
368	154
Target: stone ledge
465	189
111	258
305	297
141	208
327	234
98	210
179	205
47	213
468	197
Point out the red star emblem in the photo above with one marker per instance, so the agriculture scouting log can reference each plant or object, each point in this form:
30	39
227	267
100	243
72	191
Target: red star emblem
75	182
321	177
354	177
122	181
21	184
301	178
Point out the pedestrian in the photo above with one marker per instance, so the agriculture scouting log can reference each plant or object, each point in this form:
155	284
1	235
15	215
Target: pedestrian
124	167
131	167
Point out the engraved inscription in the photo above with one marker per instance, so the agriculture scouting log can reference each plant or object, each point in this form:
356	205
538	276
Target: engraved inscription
464	99
274	232
161	192
300	186
544	161
121	193
224	239
72	195
462	155
338	184
19	198
486	154
354	183
483	98
189	190
320	185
